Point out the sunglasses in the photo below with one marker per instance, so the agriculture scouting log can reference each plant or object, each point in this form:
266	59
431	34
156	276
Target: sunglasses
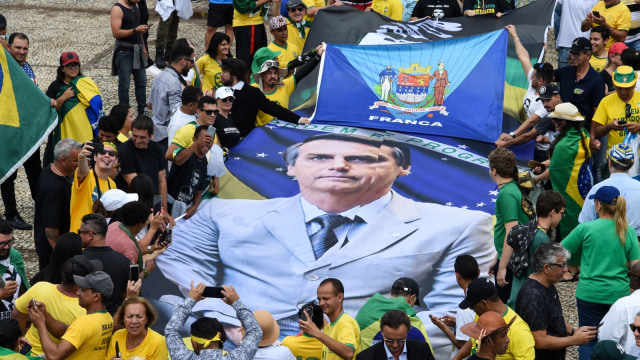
190	60
270	63
111	153
208	112
72	66
399	341
80	232
228	99
634	328
6	243
297	9
562	266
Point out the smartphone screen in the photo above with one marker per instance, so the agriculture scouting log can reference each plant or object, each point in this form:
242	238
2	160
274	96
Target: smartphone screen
213	292
134	272
157	203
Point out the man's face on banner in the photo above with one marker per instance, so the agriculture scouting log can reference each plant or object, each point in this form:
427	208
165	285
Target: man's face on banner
387	171
333	166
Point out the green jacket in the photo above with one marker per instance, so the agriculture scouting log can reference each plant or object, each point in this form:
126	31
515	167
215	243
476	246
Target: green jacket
15	259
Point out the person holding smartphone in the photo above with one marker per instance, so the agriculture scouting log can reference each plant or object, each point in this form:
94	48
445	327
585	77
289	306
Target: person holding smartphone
613	15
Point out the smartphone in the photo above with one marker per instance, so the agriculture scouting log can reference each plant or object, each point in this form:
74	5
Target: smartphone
98	148
598	326
157	203
596	14
622	122
14	275
211	131
118	354
306	310
26	348
134	272
150	25
167	235
213	292
33	302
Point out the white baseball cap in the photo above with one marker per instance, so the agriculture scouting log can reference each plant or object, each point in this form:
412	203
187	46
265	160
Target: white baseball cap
114	199
224	92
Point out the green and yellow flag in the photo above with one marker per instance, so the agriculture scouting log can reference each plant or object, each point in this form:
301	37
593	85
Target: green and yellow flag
26	117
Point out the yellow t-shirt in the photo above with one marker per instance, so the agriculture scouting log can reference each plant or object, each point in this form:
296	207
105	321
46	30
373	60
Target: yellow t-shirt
83	195
122	138
251	18
61	307
184	135
521	344
295	38
153	347
612	108
287	53
390	8
280	96
597	63
313	3
303	347
618	16
90	335
346	330
210	71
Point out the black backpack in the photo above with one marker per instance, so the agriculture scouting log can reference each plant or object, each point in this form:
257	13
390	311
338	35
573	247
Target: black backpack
520	238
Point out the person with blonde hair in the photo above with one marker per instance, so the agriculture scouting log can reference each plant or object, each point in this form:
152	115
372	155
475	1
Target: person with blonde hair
136	314
604	249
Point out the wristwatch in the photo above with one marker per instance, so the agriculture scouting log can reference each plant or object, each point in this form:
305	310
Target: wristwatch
512	134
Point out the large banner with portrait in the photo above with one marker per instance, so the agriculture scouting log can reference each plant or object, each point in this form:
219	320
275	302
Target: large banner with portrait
450	87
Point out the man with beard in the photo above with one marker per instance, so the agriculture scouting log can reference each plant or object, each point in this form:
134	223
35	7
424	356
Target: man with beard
165	96
249	99
12	274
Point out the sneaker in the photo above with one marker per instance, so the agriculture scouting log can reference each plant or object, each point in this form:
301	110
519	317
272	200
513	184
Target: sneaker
160	63
18	223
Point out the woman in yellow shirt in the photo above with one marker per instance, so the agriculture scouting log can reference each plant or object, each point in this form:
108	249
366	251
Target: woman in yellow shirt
209	64
136	314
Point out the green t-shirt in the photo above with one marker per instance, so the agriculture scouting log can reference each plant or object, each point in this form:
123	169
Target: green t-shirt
603	260
517	282
508	209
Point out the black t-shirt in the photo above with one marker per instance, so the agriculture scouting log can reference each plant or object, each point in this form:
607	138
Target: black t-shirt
476	357
149	161
117	266
540	307
424	8
608	81
544	125
185	180
227	132
52	208
53	89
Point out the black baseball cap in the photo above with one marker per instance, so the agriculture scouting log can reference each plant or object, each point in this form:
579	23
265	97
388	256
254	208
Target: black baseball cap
234	64
581	44
407	285
547	91
478	290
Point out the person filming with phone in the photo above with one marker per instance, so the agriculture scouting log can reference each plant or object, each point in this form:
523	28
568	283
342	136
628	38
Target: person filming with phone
207	334
611	14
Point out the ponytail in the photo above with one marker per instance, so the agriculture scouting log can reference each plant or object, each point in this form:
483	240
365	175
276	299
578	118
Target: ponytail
620	217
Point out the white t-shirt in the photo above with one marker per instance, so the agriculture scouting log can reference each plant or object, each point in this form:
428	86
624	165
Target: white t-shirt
178	120
573	12
531	106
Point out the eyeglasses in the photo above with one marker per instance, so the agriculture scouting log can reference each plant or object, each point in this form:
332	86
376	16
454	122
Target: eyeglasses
80	232
6	243
208	112
111	153
562	266
72	66
399	341
627	111
228	99
299	9
189	60
564	213
634	328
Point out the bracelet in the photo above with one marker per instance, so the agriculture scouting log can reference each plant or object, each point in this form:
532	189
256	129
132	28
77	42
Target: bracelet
82	158
573	331
516	39
134	31
149	249
146	272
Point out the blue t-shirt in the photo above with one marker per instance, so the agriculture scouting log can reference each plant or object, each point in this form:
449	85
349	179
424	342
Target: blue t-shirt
584	94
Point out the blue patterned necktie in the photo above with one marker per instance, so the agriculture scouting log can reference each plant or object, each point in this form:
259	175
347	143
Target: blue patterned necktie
323	239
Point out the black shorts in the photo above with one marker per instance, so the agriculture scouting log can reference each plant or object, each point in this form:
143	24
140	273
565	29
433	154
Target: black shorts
220	15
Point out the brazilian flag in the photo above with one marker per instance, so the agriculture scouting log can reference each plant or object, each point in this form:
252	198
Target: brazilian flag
26	116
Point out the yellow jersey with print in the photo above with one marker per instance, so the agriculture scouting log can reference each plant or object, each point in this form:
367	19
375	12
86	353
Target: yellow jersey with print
612	108
84	194
597	63
389	8
152	347
246	13
210	71
303	347
280	96
90	335
618	16
287	53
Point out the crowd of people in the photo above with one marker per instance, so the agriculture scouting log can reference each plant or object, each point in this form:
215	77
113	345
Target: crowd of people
113	187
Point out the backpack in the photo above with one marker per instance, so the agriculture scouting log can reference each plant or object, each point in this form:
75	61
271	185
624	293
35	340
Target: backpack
520	238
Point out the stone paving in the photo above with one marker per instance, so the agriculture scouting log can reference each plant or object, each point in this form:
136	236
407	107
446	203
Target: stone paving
83	26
